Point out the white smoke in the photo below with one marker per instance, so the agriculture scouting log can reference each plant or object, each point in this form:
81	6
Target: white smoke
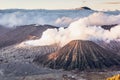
98	19
87	28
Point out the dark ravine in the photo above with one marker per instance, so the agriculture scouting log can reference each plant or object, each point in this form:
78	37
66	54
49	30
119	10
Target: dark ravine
81	55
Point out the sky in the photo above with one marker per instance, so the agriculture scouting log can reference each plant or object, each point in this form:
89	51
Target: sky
60	4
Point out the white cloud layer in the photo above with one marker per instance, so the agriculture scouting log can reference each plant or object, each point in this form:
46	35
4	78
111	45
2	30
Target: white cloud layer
87	28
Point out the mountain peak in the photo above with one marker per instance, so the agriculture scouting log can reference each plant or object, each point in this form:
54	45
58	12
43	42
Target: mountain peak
86	8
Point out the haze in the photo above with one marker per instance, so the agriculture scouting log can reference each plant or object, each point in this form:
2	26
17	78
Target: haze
60	4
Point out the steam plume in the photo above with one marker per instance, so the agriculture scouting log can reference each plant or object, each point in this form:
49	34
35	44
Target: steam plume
88	28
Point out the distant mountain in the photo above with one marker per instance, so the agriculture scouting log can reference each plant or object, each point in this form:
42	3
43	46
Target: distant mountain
81	55
86	8
108	27
21	33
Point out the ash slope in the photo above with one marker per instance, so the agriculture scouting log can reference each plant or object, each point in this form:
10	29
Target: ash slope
80	55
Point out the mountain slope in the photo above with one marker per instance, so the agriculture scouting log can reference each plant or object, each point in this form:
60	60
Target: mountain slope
80	55
3	30
22	33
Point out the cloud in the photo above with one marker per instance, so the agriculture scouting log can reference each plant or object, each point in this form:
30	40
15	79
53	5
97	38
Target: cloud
87	28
